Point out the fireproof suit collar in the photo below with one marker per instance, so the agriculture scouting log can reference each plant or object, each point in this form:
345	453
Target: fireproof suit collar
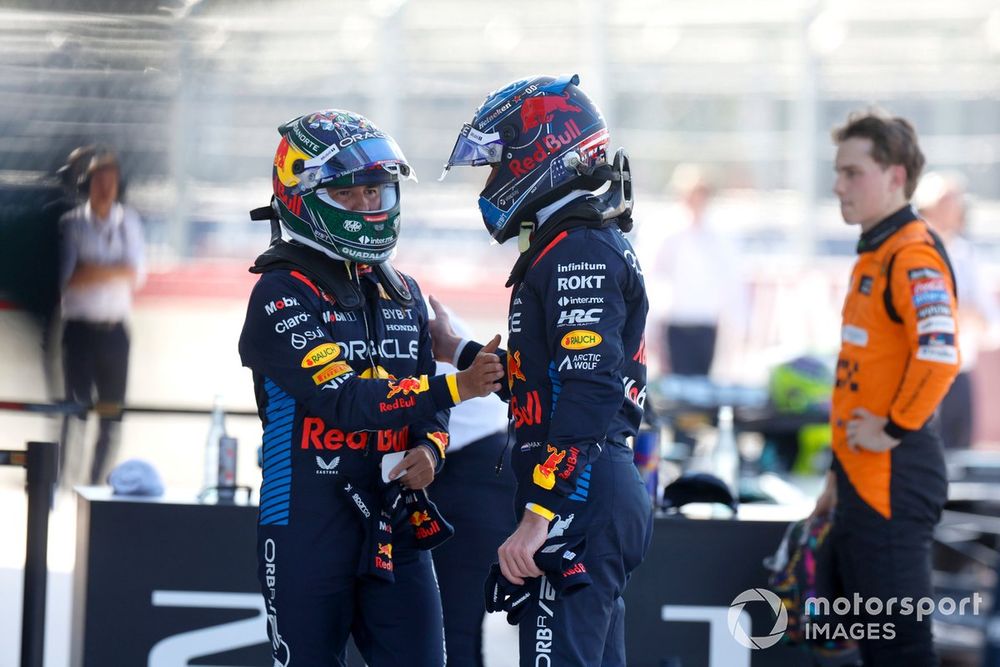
878	234
581	212
331	274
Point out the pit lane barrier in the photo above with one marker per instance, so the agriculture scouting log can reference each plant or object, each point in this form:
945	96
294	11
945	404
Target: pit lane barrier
41	461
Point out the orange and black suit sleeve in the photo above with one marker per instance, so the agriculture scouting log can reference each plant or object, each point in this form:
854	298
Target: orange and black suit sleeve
924	298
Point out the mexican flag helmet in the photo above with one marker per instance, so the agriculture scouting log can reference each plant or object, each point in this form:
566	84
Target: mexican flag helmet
331	149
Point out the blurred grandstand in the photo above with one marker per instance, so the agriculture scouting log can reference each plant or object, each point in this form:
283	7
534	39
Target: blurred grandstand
190	93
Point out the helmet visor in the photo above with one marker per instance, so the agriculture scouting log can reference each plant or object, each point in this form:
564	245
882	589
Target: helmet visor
378	153
475	149
389	197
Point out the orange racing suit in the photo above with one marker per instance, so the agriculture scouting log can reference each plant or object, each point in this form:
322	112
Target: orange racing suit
898	354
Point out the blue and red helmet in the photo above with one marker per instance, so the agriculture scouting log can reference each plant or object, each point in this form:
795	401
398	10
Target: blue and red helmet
539	134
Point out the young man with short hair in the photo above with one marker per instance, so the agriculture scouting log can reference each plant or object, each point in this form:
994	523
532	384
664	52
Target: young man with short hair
898	356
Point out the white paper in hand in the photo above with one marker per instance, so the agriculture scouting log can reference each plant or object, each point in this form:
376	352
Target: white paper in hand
389	461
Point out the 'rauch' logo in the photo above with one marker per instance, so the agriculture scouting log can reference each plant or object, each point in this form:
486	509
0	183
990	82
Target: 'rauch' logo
737	628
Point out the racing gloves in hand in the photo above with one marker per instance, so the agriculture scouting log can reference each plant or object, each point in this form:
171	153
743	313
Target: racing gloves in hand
376	549
429	528
563	566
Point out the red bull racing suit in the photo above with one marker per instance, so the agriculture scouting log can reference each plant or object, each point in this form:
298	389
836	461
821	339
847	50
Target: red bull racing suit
337	389
576	383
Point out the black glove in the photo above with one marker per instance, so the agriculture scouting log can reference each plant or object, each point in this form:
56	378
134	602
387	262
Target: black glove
376	548
562	563
502	595
429	527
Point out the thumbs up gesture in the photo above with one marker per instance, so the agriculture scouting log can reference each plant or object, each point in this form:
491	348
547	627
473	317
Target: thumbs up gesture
484	375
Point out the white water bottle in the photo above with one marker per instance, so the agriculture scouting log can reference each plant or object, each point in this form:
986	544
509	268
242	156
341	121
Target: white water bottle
725	456
216	431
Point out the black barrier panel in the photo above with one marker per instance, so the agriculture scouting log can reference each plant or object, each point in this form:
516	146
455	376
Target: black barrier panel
152	575
161	584
694	570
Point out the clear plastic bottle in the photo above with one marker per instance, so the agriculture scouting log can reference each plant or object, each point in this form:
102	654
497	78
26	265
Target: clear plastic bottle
725	455
216	431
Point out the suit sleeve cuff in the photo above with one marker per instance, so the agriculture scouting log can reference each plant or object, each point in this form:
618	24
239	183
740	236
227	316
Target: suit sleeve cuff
441	390
894	430
549	501
458	352
466	353
453	387
547	514
436	452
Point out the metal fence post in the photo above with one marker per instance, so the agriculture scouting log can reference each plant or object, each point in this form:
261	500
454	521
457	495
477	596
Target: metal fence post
42	461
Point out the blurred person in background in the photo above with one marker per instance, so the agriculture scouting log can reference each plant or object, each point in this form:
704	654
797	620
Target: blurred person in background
103	262
941	200
695	277
338	344
478	500
898	356
576	375
71	174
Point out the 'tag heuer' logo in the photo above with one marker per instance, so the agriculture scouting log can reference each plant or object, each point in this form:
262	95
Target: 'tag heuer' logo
321	354
544	474
581	339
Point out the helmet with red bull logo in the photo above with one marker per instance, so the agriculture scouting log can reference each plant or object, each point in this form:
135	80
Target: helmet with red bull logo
325	150
543	137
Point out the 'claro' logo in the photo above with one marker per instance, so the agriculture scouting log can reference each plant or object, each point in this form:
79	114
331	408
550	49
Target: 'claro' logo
581	339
